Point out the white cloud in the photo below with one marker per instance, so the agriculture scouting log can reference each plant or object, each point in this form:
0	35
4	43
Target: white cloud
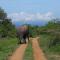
22	16
47	16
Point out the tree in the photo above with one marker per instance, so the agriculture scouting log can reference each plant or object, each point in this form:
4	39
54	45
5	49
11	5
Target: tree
6	26
3	15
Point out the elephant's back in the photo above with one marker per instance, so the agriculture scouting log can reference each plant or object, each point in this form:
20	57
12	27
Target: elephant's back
22	28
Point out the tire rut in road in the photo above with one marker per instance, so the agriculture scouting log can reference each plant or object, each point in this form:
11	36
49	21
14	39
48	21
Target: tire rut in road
19	53
37	51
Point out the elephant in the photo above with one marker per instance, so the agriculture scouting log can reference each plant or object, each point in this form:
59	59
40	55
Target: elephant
22	34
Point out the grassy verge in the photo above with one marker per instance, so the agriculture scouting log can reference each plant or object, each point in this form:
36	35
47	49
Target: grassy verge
52	53
28	53
7	46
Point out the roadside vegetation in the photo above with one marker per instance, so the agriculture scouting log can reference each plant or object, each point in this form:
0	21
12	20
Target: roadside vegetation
52	52
8	40
50	39
7	46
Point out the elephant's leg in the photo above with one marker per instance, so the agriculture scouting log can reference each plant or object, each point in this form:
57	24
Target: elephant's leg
24	40
20	39
28	39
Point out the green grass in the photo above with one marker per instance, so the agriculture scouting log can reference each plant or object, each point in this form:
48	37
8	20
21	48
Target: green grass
28	53
7	46
52	53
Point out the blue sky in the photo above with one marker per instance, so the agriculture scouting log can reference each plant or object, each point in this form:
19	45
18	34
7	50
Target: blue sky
31	10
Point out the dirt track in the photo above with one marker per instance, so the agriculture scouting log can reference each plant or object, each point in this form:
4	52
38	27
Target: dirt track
19	53
37	52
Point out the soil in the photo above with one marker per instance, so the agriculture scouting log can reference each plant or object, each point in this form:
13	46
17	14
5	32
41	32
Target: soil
37	51
19	53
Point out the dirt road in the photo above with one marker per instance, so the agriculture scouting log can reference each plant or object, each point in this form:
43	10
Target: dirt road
19	53
37	51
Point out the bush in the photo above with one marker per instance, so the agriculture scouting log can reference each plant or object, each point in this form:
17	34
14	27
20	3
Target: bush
55	39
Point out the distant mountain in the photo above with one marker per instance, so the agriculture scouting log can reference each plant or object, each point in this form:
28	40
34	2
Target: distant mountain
37	22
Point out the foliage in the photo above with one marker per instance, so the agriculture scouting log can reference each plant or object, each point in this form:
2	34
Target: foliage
7	46
7	29
50	39
52	53
33	31
53	29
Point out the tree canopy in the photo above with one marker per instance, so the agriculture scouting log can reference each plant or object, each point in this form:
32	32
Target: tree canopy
6	26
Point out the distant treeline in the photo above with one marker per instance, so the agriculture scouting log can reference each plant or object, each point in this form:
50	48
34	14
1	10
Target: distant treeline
52	27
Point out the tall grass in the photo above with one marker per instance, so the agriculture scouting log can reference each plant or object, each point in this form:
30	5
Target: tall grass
52	52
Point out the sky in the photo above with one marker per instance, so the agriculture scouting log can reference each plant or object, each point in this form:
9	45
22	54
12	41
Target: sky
31	11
